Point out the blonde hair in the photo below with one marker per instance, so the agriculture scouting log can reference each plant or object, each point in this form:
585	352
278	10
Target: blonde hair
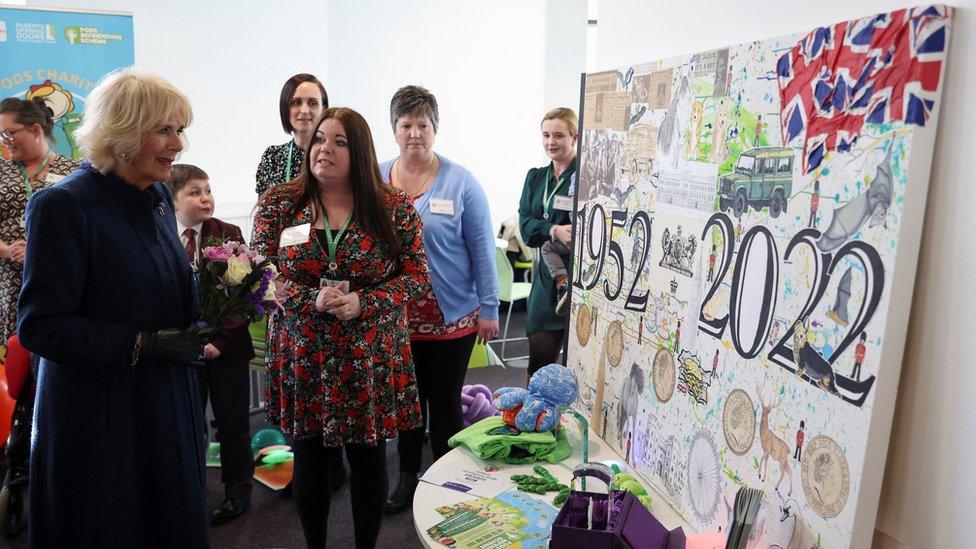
121	110
566	115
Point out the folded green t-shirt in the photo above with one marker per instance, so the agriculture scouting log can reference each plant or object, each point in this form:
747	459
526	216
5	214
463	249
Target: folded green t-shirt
491	438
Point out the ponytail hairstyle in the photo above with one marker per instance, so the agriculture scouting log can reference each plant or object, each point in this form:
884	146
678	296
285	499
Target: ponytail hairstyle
29	112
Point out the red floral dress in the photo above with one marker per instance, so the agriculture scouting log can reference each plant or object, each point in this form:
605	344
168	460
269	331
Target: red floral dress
426	321
347	381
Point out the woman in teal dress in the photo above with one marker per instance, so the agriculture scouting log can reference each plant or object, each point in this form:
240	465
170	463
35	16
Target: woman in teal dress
545	214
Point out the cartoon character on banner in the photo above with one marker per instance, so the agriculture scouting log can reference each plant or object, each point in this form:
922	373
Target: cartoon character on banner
62	104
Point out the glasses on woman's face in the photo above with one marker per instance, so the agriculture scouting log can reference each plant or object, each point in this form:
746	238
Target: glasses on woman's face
8	135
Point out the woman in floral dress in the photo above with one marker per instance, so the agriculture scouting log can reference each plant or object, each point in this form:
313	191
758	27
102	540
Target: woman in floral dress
340	372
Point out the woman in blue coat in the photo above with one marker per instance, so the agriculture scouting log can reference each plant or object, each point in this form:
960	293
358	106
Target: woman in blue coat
117	457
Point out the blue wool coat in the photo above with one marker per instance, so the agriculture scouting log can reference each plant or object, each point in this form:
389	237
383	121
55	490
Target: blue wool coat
118	451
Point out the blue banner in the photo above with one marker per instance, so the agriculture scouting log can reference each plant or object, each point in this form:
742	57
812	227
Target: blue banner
60	56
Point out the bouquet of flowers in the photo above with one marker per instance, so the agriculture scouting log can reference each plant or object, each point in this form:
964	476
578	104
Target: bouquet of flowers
234	282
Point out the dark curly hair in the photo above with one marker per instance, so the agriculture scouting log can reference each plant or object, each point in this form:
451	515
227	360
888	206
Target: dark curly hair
29	112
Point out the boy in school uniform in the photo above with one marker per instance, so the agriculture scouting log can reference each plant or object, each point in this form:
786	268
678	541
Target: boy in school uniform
225	376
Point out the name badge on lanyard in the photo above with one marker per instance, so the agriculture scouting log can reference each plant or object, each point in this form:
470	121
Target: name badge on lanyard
562	203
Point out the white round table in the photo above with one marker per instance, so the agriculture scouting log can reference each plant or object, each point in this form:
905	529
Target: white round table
429	497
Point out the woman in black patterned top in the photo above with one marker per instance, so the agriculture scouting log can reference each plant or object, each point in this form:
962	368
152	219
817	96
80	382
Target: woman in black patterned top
303	99
25	128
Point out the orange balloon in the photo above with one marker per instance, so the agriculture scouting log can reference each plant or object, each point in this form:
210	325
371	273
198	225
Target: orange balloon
6	407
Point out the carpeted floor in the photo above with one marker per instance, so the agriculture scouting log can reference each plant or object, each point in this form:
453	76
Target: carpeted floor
272	521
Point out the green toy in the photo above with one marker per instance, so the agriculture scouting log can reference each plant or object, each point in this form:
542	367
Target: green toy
275	457
629	483
541	484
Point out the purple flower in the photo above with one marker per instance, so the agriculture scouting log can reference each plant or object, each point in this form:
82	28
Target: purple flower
217	253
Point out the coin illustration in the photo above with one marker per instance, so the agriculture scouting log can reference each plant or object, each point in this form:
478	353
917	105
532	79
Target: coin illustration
826	476
739	421
583	324
664	375
615	343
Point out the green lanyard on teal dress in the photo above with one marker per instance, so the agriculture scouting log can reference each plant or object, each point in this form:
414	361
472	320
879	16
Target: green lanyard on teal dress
28	189
547	196
291	145
333	243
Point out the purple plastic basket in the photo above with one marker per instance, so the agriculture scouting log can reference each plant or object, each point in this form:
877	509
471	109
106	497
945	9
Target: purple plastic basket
620	521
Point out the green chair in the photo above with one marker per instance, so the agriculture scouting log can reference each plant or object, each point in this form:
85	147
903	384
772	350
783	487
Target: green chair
511	292
258	331
526	267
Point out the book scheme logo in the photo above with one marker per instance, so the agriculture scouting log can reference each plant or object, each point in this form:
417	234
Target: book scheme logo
3	31
89	36
37	33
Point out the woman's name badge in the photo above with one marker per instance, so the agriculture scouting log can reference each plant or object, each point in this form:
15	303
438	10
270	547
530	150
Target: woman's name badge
341	285
441	206
562	203
299	234
53	178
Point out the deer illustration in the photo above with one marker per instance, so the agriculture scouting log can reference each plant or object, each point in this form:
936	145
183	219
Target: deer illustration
772	445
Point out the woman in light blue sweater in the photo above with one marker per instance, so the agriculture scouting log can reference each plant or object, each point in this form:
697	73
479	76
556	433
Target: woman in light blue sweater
462	303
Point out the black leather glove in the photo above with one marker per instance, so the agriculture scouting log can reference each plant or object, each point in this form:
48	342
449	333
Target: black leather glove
172	345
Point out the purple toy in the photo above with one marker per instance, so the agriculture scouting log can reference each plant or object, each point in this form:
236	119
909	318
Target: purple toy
476	404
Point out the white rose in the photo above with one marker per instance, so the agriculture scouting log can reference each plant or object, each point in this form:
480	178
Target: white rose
269	294
237	270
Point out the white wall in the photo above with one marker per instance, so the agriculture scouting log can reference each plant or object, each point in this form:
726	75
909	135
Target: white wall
495	67
231	62
484	61
565	52
929	490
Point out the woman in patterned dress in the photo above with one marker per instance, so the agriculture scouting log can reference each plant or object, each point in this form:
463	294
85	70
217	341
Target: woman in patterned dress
462	302
340	372
302	100
25	128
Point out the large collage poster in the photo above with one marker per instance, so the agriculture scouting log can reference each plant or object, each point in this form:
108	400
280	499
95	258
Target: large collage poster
738	227
60	56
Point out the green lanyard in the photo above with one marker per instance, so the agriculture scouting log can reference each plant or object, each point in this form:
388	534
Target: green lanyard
28	189
547	196
333	243
288	166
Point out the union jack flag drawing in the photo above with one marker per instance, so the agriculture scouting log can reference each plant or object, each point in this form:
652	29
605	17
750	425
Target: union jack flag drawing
878	69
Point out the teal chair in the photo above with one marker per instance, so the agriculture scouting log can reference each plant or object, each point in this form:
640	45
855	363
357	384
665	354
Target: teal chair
511	292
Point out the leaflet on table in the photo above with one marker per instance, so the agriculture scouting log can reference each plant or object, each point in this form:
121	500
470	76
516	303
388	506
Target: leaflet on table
466	473
513	519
